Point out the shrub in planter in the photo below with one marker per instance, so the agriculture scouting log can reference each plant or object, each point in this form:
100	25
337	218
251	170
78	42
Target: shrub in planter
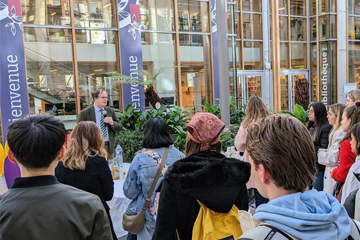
130	141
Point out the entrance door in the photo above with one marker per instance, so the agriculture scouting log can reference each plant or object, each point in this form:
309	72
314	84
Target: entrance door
288	79
248	85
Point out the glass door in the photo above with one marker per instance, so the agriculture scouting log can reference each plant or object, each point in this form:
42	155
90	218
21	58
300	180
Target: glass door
248	85
294	89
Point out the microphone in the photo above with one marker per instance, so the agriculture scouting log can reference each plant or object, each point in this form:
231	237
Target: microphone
104	114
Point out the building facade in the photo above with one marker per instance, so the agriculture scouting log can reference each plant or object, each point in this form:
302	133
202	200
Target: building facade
71	45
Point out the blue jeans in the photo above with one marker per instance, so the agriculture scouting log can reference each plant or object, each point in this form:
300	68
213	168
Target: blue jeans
131	236
319	181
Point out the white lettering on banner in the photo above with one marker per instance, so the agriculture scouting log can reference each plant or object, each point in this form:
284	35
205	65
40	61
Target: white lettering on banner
324	78
15	96
135	96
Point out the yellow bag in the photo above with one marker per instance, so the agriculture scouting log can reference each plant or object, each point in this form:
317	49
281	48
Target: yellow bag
210	225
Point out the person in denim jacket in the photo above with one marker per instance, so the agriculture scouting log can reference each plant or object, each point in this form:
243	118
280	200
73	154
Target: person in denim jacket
143	170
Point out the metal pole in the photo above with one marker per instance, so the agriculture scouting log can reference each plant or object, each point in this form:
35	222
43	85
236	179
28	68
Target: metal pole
223	60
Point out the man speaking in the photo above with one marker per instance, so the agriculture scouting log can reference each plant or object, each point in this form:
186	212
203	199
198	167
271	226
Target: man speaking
104	117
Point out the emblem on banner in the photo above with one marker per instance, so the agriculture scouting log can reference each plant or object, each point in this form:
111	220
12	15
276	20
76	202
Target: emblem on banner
129	14
15	19
213	17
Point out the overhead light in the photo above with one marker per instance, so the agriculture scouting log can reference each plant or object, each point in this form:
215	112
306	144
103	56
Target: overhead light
54	70
99	70
107	5
52	14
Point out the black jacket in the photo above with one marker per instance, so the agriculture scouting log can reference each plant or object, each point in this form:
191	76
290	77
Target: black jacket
322	141
96	178
209	177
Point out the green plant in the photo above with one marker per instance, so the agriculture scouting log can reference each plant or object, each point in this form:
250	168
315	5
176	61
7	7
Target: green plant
299	113
180	141
236	114
227	140
130	141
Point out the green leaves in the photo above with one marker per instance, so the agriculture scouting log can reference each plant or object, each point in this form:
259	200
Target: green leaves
236	114
299	113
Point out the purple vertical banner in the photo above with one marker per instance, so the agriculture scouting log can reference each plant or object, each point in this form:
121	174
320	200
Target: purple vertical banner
131	51
13	86
215	49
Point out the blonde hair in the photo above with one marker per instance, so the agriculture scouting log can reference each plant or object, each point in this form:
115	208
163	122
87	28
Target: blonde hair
337	109
255	110
86	141
354	95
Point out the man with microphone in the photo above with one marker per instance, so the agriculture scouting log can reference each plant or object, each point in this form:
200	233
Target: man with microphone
104	117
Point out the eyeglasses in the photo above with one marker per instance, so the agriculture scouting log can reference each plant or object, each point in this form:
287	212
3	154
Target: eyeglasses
103	97
311	111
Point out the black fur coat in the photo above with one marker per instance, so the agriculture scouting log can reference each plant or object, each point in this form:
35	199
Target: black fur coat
209	177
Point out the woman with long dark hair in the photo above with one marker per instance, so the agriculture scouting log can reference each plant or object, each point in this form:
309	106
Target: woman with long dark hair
319	128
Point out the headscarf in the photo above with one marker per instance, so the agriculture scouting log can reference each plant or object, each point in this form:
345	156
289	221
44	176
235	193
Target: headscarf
205	128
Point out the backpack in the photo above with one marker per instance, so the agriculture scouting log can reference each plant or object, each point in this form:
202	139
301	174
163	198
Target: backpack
211	225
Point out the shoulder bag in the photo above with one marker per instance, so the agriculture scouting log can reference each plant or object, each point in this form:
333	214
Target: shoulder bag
135	223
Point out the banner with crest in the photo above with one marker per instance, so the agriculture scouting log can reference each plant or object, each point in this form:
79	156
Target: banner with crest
131	51
13	86
215	49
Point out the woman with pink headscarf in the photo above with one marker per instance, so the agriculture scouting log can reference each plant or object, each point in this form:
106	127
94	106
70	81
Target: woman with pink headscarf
205	175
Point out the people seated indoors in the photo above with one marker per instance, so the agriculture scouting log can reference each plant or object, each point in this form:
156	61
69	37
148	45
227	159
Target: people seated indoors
283	166
204	177
37	206
329	157
350	117
352	97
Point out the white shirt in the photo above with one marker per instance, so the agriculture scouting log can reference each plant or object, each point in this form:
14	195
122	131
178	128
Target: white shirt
98	119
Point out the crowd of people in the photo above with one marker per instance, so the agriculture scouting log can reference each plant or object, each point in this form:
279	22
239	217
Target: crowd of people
294	182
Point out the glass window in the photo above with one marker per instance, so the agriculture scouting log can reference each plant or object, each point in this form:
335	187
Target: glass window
324	6
94	13
42	12
313	29
196	74
237	25
49	69
283	6
298	29
253	55
251	5
252	26
313	7
193	16
234	53
157	15
229	16
354	62
313	72
354	7
327	26
283	28
284	55
354	28
298	55
97	55
298	7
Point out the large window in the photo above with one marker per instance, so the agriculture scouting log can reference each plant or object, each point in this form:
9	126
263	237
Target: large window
354	42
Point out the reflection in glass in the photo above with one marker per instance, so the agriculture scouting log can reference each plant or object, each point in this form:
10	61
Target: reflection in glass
95	13
298	29
251	5
313	71
327	26
298	55
158	52
354	28
284	55
313	7
354	62
253	55
283	28
42	12
298	7
252	26
252	86
283	6
49	71
237	25
196	80
323	6
354	7
96	55
284	83
193	16
230	16
157	15
313	29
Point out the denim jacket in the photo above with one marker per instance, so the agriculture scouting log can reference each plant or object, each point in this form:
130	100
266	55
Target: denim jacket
141	175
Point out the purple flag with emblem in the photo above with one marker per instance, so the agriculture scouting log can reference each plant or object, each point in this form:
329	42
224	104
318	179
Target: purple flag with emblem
131	51
215	49
13	87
